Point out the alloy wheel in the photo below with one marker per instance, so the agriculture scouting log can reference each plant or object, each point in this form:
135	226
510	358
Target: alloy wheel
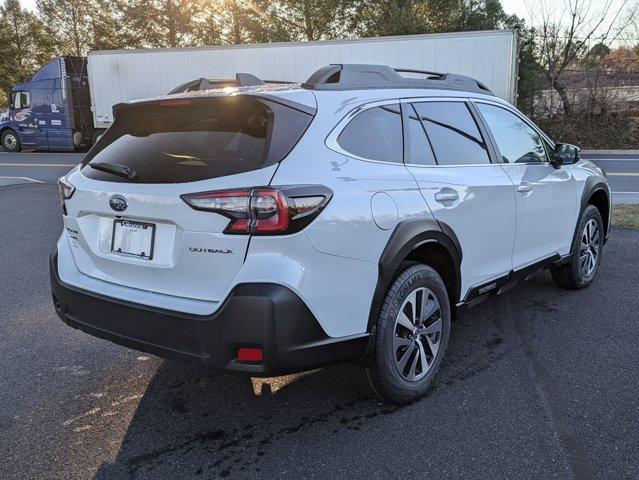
589	251
417	334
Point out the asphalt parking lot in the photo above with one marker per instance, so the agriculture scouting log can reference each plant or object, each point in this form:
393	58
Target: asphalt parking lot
537	383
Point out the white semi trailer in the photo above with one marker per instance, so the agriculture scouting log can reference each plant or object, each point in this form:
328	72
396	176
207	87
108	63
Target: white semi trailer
117	76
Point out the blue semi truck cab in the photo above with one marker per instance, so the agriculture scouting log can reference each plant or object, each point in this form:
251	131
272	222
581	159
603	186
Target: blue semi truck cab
52	111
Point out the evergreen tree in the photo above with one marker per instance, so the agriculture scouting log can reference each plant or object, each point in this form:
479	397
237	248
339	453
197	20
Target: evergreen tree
378	18
480	15
69	23
106	25
160	23
311	19
24	47
240	21
403	17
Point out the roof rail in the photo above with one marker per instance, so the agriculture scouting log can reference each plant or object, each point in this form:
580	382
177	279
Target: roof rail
362	76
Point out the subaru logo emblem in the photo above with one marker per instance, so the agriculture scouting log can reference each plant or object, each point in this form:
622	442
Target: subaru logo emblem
118	203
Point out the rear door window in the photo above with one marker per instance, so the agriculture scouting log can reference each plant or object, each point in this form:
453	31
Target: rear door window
453	133
419	151
186	140
375	134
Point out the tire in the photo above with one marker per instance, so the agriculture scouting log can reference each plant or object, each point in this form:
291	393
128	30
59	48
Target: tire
393	377
10	141
586	250
96	136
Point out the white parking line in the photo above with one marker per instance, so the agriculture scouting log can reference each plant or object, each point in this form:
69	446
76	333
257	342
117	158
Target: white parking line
625	159
23	178
38	164
622	174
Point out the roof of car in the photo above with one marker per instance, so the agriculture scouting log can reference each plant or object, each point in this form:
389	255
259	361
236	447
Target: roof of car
341	77
368	82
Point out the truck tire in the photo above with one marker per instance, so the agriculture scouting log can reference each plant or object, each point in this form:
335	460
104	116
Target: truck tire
96	136
586	252
78	137
412	334
10	141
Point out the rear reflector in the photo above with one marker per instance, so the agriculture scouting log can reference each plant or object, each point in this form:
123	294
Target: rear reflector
246	354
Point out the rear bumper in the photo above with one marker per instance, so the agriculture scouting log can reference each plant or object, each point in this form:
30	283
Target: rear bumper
264	315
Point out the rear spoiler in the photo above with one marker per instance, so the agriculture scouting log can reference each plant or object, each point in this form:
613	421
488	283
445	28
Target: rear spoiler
183	100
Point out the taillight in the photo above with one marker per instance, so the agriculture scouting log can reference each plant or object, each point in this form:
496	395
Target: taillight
65	192
264	210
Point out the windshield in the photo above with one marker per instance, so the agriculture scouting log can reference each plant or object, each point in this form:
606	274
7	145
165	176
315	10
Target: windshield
185	140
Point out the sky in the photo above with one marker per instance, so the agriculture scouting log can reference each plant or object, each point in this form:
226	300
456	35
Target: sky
28	4
517	7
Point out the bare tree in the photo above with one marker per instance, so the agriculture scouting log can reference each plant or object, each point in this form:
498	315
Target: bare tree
566	28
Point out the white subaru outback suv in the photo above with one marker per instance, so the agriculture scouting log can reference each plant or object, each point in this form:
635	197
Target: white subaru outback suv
269	229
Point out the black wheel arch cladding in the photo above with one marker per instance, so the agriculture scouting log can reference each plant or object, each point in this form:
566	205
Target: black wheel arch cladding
592	193
405	239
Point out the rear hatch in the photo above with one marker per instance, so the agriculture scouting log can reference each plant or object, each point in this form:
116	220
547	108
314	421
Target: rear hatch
126	221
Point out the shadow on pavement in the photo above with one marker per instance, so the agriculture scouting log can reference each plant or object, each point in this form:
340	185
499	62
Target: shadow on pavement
191	423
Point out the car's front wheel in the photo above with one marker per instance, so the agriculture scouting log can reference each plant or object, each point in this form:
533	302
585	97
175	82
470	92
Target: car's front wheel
586	252
411	336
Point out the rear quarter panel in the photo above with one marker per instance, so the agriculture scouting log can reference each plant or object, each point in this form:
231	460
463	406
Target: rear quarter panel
337	278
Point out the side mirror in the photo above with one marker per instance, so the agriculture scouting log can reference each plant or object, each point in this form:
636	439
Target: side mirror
565	154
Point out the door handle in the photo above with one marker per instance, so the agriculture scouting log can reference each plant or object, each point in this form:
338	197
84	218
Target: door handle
524	187
443	197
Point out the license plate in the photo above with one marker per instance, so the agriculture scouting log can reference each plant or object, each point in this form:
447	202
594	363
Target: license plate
133	239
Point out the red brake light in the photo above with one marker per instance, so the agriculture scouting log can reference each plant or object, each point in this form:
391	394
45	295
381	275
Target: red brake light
269	210
240	225
264	211
175	103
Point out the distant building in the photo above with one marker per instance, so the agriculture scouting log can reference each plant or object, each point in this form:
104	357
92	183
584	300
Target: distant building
592	92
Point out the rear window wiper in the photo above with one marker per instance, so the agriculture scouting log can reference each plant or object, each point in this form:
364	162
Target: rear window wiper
115	169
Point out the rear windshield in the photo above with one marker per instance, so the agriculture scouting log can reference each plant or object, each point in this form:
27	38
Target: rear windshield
185	140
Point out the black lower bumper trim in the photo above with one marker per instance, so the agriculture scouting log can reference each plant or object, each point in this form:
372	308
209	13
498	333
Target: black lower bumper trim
264	315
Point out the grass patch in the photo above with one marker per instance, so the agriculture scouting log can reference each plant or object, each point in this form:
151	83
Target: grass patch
625	216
